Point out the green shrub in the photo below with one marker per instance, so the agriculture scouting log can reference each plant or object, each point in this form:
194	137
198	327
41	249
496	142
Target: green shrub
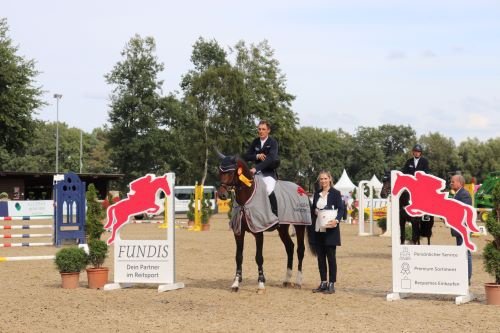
71	260
206	208
98	251
382	223
95	214
491	252
190	212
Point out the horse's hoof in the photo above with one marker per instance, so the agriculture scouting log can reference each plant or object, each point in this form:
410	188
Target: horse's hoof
288	285
298	286
261	291
235	289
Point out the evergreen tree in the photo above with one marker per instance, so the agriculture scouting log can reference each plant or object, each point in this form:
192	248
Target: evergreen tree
19	98
93	225
135	137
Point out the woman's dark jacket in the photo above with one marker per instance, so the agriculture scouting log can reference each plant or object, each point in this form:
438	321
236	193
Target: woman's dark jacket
332	235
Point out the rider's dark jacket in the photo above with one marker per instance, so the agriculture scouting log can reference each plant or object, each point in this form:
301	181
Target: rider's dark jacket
409	167
270	149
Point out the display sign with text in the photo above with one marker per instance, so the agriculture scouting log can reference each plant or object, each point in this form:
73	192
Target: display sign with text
142	261
430	269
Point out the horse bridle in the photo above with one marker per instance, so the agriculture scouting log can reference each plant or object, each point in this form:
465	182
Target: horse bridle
233	184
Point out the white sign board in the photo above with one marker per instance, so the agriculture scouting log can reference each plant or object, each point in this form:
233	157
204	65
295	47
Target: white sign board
31	208
143	261
429	269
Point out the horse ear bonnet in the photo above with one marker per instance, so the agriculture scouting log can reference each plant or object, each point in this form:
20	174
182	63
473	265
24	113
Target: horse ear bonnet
228	163
387	176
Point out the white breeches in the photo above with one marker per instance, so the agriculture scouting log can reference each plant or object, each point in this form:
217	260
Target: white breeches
270	183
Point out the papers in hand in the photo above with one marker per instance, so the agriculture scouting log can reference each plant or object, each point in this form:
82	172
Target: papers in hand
325	216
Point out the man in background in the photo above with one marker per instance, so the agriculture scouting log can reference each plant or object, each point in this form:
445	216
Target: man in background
462	195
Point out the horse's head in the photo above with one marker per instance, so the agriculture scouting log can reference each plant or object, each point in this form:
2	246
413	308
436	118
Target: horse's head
386	185
233	174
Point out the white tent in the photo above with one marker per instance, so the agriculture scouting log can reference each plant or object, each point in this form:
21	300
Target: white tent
344	184
377	185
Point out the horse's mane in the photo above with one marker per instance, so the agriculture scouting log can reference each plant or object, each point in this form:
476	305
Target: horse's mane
241	162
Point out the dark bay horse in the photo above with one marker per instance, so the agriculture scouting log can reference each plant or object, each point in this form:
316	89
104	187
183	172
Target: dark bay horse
420	226
235	175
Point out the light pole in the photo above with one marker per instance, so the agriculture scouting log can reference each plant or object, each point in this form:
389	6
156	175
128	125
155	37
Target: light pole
57	97
81	150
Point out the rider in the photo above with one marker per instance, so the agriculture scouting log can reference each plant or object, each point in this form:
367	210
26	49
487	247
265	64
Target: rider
417	163
413	164
264	152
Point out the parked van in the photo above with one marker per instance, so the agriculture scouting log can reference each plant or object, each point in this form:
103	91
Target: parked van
183	196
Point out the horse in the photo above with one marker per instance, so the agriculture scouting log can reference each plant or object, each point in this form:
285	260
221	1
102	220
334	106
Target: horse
235	175
420	226
142	198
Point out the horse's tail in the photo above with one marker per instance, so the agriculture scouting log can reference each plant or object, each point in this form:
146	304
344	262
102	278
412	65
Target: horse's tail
310	241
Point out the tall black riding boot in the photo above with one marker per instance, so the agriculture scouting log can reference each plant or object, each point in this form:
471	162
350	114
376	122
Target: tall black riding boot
274	203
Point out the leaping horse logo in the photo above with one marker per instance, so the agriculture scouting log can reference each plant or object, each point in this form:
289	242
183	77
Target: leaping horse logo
426	197
143	197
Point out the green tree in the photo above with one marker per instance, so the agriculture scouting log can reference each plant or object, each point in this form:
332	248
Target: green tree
266	97
395	141
135	137
93	223
442	154
367	155
97	158
214	98
19	98
475	158
322	150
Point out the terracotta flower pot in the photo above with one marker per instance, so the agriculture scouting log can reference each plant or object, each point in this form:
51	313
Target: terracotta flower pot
97	277
205	227
492	293
70	280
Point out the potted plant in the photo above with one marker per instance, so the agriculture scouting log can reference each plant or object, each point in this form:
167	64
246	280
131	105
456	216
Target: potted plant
206	212
491	252
93	225
97	275
70	262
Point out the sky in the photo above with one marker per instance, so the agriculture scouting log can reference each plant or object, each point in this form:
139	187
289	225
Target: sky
430	64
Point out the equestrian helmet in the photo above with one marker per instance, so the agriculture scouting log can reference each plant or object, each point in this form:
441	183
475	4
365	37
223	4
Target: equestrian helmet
417	147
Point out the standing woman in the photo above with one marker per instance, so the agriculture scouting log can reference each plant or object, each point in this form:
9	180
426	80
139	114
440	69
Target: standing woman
324	241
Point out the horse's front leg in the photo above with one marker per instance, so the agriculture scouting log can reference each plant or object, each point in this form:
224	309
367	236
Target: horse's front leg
300	232
259	259
240	241
415	230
